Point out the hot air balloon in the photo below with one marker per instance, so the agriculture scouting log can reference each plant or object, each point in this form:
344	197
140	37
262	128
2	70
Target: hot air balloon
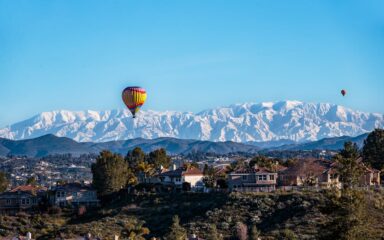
343	92
134	98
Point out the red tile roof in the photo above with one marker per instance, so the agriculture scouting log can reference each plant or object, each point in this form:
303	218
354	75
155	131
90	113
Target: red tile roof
28	188
192	172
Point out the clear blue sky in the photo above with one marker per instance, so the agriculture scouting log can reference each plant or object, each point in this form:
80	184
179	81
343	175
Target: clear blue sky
190	55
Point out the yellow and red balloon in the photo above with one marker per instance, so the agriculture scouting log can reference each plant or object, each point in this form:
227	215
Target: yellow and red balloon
134	98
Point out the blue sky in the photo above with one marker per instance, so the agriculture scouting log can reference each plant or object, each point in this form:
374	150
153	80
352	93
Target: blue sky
190	55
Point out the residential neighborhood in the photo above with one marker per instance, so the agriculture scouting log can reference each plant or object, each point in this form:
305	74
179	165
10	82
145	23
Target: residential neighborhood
314	173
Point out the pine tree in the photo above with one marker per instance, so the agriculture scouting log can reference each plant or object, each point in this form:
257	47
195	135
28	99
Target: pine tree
348	167
373	150
3	182
110	173
348	205
176	232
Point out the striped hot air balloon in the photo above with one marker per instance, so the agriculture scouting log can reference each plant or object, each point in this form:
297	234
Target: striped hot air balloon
134	98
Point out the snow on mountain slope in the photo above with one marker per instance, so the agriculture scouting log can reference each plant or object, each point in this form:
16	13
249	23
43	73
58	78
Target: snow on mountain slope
266	121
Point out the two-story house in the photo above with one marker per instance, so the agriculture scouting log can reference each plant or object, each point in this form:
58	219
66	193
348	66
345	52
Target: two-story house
182	175
22	198
74	194
309	172
324	174
257	179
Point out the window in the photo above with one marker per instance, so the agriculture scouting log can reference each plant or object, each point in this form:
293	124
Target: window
262	177
27	201
244	177
8	201
178	179
271	177
23	201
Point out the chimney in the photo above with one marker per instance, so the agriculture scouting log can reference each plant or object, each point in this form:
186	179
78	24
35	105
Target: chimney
174	167
29	236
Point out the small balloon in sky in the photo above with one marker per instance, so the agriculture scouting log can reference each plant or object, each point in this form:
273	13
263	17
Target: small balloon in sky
343	92
134	98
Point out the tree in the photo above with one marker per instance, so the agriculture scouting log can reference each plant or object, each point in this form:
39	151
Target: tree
254	235
146	168
212	233
348	205
373	150
135	157
176	232
348	167
262	161
241	231
110	173
159	158
3	182
31	181
209	178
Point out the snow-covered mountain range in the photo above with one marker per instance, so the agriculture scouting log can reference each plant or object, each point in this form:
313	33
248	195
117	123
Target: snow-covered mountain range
267	121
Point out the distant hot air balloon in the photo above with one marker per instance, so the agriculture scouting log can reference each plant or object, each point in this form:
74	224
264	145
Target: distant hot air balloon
343	92
134	98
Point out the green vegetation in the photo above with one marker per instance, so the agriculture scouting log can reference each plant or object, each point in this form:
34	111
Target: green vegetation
3	182
348	205
31	181
176	232
373	150
210	177
295	215
110	173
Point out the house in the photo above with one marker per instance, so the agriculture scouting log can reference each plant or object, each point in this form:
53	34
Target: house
371	177
323	173
75	195
257	179
22	198
191	176
310	172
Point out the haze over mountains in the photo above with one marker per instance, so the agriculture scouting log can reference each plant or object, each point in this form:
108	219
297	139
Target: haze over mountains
269	121
50	144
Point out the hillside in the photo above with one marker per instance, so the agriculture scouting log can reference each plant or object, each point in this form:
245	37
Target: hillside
336	143
50	144
275	215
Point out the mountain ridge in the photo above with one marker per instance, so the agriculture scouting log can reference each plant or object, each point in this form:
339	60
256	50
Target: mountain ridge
51	144
250	122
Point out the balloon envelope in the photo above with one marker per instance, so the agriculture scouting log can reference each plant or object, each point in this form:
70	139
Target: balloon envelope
343	92
134	98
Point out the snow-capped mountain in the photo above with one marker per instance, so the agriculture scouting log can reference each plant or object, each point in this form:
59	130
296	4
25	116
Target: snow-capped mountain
293	120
